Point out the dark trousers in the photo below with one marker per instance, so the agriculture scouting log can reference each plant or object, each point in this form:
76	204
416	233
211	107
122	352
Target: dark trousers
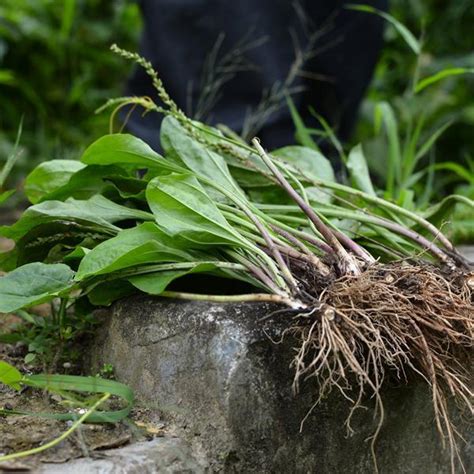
179	36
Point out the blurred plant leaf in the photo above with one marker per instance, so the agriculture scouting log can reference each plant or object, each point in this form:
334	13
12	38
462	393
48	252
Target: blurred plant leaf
33	283
302	134
427	81
359	171
405	33
10	375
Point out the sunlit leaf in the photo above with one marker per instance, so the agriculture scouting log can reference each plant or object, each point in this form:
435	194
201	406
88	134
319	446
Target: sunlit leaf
140	245
49	176
427	81
182	208
10	375
125	149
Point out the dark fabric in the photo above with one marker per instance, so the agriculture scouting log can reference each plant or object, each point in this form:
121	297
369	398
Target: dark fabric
179	34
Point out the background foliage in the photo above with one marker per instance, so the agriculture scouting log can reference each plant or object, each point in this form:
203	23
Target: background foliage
56	69
444	29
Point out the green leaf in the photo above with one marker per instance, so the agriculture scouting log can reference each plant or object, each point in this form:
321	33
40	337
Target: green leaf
125	149
37	244
106	293
182	207
302	134
156	283
30	357
427	81
49	176
132	247
7	77
86	182
77	254
194	156
313	164
10	375
405	33
439	212
74	383
4	196
384	114
359	171
431	140
96	212
329	133
12	158
32	284
455	168
128	187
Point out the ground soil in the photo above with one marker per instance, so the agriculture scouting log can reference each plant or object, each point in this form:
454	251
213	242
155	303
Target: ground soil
19	433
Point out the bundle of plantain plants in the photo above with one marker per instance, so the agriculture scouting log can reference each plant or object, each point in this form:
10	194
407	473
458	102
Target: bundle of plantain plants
367	287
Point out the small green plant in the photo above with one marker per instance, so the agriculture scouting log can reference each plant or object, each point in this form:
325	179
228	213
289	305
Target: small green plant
107	371
51	340
81	398
8	166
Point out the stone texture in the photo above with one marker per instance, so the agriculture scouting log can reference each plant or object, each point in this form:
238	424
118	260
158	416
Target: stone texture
212	371
163	455
468	252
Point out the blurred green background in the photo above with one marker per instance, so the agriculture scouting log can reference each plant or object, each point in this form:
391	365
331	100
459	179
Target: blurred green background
446	34
56	69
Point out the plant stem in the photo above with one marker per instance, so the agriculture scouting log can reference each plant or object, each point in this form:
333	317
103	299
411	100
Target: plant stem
245	208
257	271
255	297
310	239
61	316
388	205
381	222
379	202
60	438
346	262
355	249
397	228
274	251
306	255
323	269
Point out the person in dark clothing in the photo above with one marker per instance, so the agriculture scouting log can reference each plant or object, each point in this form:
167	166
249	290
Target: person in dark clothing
340	47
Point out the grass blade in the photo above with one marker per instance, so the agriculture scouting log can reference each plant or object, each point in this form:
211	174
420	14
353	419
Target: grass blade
404	32
427	81
11	160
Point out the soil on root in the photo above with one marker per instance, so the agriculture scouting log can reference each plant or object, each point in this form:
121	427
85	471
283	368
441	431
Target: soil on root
392	318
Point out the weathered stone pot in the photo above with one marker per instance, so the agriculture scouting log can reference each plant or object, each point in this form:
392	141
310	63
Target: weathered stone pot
217	375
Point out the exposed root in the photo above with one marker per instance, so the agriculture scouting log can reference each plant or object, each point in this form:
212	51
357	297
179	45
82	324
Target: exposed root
390	318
